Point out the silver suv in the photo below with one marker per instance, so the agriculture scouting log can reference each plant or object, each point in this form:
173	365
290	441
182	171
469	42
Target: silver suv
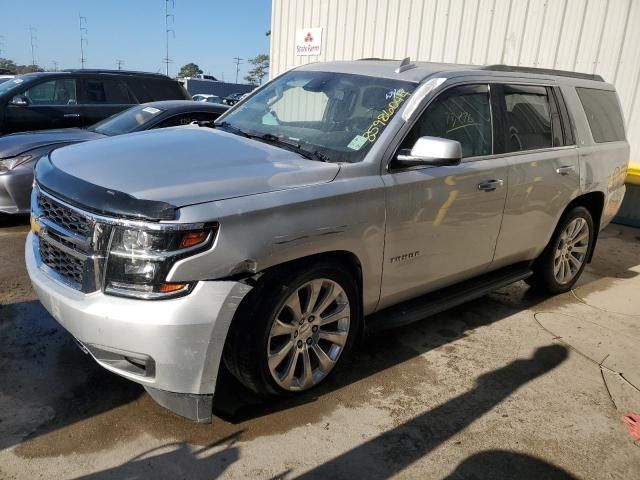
336	197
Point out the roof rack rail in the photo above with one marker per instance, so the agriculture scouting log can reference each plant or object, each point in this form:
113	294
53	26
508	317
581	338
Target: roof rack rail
121	72
543	71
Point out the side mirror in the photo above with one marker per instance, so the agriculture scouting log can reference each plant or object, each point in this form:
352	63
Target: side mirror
431	151
19	101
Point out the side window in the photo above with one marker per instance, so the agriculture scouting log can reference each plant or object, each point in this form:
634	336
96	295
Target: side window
162	89
107	91
460	113
603	114
61	91
187	118
528	118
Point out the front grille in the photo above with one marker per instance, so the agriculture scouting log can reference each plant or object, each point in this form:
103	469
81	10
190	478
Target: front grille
61	262
71	243
64	216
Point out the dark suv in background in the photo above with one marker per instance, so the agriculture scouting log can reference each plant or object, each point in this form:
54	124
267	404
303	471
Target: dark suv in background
77	98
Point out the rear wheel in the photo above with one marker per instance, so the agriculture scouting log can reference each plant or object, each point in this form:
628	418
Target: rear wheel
300	328
563	261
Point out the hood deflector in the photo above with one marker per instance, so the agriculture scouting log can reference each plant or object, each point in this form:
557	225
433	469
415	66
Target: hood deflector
98	199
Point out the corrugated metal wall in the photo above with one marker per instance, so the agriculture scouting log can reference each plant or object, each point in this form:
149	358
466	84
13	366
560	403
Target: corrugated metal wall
595	36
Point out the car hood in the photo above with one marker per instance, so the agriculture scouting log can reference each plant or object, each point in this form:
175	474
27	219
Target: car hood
19	143
188	165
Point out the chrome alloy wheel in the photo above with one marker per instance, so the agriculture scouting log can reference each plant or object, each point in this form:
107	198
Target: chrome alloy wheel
571	251
308	334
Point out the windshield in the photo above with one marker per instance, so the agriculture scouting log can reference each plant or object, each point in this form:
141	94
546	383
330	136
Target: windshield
127	121
10	84
337	115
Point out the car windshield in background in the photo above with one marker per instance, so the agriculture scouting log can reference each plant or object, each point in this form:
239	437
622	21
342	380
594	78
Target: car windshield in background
10	84
336	117
127	121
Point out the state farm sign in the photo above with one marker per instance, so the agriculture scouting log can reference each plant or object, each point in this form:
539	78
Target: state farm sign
309	41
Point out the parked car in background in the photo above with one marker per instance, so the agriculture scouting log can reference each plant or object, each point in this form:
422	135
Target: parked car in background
78	98
20	151
4	78
272	241
232	99
205	97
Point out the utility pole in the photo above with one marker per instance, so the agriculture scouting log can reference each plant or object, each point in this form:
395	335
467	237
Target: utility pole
83	39
238	62
168	30
55	65
119	63
1	44
32	39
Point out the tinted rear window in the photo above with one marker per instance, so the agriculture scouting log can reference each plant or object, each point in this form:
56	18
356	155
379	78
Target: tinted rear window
528	118
165	90
603	113
106	91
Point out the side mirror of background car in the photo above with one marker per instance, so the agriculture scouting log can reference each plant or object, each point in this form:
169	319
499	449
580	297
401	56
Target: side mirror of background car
430	151
19	101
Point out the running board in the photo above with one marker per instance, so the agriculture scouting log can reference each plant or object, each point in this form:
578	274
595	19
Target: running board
446	298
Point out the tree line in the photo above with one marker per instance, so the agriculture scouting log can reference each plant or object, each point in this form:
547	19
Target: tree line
14	69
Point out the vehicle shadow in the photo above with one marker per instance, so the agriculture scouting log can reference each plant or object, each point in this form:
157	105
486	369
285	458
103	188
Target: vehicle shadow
7	221
180	461
505	464
381	351
396	449
390	452
51	388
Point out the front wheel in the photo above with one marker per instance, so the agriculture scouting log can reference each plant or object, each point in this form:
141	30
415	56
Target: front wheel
563	261
300	328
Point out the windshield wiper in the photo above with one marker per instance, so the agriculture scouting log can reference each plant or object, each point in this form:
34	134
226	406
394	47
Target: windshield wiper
232	129
304	150
299	148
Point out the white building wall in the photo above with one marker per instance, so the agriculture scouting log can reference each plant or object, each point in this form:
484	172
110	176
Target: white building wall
593	36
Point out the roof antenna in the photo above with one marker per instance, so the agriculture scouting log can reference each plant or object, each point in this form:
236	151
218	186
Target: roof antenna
405	64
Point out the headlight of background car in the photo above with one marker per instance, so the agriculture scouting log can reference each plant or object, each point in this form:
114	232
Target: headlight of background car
139	260
7	164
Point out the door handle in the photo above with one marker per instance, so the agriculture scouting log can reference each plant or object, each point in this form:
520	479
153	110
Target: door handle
490	185
71	115
566	169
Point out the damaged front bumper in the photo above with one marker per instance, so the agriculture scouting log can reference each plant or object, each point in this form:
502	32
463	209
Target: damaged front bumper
171	347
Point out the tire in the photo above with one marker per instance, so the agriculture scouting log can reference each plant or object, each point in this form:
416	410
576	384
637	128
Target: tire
269	322
564	259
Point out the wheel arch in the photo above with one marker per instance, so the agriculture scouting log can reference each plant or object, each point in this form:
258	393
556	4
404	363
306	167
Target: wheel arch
594	202
344	258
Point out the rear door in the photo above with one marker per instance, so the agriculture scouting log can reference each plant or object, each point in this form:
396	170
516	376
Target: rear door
544	174
102	97
51	103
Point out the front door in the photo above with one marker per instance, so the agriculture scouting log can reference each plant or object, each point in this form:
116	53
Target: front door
50	104
443	222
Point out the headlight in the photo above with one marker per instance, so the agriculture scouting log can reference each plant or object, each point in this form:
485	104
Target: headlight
7	164
140	260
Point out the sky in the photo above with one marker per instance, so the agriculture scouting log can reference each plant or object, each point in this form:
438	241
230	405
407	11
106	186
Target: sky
207	32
